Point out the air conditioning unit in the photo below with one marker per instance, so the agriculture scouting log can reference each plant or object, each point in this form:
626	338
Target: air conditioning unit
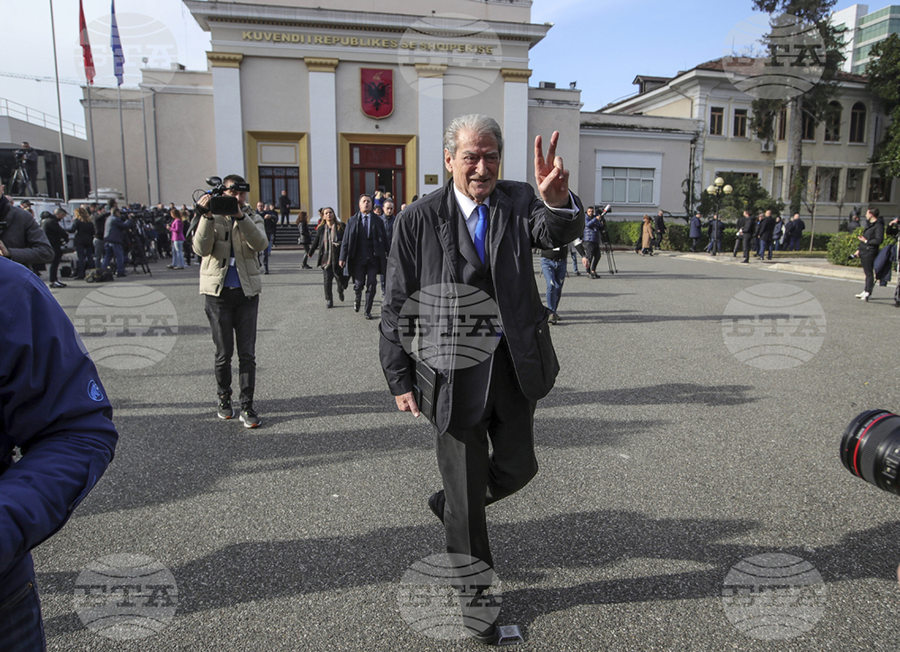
767	146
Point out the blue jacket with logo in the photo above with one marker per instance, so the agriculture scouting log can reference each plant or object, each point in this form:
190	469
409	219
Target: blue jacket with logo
55	410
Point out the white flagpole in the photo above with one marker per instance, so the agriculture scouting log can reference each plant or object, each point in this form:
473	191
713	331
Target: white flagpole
62	146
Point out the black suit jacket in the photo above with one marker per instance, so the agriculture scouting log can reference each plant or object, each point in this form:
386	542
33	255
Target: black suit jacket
766	228
432	249
350	245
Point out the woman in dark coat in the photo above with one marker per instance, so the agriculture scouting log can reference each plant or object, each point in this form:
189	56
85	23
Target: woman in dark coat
870	241
303	226
83	228
329	234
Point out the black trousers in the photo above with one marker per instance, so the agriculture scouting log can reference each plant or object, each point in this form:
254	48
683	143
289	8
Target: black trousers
54	264
475	476
868	265
232	316
367	273
329	275
746	246
592	249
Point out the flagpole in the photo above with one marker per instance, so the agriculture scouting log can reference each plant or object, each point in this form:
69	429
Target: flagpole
96	182
62	146
122	134
118	65
89	73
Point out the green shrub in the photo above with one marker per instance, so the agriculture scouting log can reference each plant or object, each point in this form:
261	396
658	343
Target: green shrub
677	237
840	248
842	245
624	233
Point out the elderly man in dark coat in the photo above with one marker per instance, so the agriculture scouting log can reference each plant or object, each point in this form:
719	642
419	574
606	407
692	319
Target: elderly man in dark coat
468	247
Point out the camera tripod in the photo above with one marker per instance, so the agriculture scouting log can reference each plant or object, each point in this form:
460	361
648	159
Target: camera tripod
20	183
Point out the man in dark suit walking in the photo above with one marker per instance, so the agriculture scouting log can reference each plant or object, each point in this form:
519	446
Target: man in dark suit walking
364	252
765	233
478	233
746	234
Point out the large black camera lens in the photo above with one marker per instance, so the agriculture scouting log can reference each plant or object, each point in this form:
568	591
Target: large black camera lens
870	449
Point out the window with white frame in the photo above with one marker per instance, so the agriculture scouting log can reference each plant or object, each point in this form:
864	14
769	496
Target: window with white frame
627	185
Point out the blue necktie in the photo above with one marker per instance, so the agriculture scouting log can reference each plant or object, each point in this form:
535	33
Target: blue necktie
481	229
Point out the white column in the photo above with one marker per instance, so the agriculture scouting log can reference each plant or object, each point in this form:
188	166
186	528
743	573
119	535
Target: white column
323	139
515	124
226	69
431	126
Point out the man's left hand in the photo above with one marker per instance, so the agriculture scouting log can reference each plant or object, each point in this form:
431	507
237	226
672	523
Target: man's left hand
3	250
550	175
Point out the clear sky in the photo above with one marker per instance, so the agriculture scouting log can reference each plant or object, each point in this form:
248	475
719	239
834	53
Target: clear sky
600	44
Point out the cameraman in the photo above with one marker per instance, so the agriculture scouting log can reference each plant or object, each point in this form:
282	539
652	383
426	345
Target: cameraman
114	240
229	278
29	161
21	239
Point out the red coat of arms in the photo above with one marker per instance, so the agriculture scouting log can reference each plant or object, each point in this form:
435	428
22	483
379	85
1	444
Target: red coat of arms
377	92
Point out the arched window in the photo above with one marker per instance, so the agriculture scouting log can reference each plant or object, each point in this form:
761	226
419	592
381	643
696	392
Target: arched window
858	123
833	122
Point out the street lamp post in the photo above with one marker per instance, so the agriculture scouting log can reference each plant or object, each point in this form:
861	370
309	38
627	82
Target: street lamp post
716	191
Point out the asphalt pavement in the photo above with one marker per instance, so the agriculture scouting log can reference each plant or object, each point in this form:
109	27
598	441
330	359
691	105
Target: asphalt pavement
690	494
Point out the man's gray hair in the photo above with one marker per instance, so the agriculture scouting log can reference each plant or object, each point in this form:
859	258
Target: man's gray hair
479	124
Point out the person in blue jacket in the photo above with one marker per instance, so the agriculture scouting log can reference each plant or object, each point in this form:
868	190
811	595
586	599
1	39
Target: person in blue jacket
54	410
591	240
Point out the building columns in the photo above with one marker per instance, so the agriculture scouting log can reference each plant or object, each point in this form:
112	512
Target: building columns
515	123
431	126
323	137
226	72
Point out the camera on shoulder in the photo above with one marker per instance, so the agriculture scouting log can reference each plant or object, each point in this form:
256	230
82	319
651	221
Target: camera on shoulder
219	202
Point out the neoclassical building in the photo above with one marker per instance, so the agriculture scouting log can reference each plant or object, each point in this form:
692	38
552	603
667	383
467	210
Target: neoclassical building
329	103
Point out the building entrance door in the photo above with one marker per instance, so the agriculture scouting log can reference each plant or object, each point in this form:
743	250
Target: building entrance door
377	167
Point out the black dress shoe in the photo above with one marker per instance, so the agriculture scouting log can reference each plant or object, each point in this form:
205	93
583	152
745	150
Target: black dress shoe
369	315
488	636
356	303
436	503
340	291
329	304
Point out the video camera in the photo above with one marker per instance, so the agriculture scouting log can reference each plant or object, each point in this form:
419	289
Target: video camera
219	202
870	449
20	156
